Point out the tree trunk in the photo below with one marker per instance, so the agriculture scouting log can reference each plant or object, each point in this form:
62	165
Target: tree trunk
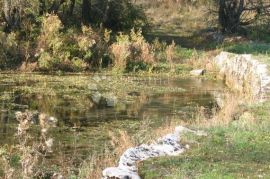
105	15
71	7
230	12
42	7
12	14
86	10
56	6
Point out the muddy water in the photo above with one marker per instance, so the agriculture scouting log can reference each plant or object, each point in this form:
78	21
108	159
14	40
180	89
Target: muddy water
83	126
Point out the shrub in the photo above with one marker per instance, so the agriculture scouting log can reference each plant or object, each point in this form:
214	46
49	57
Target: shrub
141	50
132	52
87	39
50	42
118	15
170	52
53	49
78	64
120	51
94	45
9	50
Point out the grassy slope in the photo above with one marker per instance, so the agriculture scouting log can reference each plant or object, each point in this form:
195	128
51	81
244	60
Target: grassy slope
238	149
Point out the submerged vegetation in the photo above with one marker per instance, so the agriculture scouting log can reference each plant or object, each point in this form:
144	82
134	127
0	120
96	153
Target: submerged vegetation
100	67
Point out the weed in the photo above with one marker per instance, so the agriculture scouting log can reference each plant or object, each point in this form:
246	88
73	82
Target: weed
23	160
131	52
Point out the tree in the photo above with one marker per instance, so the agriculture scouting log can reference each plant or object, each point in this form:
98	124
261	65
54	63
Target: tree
234	14
86	10
118	15
12	13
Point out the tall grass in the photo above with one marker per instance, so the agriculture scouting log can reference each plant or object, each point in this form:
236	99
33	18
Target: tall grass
131	52
93	167
23	159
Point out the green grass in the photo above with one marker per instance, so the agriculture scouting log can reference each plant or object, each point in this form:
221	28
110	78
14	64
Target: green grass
249	48
259	50
239	150
185	53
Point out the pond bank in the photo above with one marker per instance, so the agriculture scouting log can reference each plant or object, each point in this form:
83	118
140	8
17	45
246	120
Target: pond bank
244	73
165	146
86	126
240	72
237	145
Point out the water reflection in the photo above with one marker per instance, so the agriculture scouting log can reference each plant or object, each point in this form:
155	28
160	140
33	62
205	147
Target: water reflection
83	125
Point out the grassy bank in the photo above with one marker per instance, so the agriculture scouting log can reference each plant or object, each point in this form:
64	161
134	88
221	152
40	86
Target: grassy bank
237	145
239	149
238	142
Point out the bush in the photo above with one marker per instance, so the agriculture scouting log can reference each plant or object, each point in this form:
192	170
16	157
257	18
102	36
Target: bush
9	50
132	51
53	51
170	52
119	15
120	51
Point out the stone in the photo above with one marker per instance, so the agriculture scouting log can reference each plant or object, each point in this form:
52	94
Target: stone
96	97
198	72
165	146
115	172
244	73
111	101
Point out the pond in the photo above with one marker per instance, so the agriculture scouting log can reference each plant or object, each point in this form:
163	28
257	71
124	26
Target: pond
143	104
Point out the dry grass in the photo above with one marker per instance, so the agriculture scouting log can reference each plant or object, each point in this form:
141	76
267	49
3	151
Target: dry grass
131	48
119	52
170	54
204	61
30	154
229	109
92	169
121	141
174	16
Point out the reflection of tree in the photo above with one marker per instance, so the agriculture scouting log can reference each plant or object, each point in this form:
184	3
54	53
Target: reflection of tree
4	121
135	108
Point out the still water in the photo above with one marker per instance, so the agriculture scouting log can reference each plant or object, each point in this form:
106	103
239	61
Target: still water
83	126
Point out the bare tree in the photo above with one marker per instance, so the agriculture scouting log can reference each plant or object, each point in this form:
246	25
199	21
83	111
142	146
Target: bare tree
236	13
12	13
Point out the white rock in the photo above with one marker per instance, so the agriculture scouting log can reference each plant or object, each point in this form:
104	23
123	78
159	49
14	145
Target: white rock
115	172
244	73
168	145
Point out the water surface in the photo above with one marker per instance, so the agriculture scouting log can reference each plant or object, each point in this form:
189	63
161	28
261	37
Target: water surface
83	126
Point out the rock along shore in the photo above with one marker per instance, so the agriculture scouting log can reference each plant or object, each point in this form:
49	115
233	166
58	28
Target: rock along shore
240	72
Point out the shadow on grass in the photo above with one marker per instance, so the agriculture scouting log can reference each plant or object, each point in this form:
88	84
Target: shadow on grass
207	39
202	40
249	48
